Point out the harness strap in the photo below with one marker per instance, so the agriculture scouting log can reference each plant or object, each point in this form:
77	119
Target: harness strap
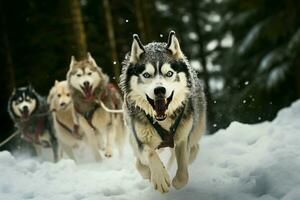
88	115
73	132
167	136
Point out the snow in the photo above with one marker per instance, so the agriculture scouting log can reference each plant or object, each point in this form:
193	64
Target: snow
244	161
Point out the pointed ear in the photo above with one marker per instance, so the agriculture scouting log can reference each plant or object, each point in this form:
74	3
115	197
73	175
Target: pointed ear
173	45
137	49
91	59
73	61
14	91
56	82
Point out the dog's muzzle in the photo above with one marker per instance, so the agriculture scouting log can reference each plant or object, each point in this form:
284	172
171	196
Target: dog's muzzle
24	112
87	89
160	105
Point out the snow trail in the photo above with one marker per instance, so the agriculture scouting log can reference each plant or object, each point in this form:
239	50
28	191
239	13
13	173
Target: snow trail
246	162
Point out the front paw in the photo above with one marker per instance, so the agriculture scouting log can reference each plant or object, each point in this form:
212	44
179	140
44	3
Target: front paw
180	179
108	152
161	180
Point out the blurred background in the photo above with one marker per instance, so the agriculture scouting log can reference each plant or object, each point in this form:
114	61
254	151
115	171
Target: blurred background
246	52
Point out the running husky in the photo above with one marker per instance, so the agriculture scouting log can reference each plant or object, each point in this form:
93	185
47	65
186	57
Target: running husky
30	113
67	131
89	88
164	107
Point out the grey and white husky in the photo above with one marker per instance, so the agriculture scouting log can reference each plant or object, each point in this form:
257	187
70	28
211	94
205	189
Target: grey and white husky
89	86
30	113
164	107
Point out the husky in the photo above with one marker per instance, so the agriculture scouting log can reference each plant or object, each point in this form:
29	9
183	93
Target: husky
90	87
30	113
164	107
67	132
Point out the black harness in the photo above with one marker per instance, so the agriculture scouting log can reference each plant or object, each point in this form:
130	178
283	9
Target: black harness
74	132
88	115
167	136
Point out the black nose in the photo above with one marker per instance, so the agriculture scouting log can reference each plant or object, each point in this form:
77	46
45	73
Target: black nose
159	91
63	104
86	84
25	108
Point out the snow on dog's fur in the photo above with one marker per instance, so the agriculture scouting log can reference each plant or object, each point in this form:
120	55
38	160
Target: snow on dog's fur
163	99
89	85
67	132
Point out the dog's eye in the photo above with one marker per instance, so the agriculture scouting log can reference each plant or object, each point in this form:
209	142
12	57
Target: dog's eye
89	74
58	95
169	74
146	75
68	94
78	75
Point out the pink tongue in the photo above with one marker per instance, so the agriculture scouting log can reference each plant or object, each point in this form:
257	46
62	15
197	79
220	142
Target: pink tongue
88	92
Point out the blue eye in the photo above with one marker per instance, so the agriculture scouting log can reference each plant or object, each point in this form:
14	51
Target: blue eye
146	75
169	74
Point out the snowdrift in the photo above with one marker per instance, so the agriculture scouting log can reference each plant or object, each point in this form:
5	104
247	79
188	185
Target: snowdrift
242	162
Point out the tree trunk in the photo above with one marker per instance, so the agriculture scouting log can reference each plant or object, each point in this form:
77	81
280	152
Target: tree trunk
8	55
140	19
111	38
202	54
79	41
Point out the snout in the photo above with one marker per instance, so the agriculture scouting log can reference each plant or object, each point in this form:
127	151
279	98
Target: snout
25	111
87	89
160	91
62	104
86	84
160	102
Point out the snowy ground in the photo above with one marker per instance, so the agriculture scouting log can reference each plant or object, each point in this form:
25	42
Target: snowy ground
242	162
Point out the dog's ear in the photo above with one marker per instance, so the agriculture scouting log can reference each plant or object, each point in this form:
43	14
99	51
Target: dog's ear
173	45
137	49
14	91
30	87
73	61
51	96
91	59
56	82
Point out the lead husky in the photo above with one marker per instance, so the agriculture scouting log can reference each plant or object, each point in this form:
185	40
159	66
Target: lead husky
88	86
30	113
165	107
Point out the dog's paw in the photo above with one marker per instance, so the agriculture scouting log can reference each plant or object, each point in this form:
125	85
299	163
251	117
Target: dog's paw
180	180
161	180
108	152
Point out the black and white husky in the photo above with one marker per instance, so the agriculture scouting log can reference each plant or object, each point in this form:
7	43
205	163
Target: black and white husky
164	107
30	113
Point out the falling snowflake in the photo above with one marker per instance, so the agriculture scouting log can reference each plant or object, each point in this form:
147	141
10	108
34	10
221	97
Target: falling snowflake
161	35
126	20
244	101
114	62
246	83
259	118
215	125
215	101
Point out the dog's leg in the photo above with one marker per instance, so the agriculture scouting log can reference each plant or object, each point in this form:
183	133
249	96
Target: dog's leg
158	174
91	137
110	136
182	157
120	134
193	153
143	169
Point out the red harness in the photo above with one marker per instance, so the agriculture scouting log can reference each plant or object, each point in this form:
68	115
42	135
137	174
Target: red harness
37	132
110	88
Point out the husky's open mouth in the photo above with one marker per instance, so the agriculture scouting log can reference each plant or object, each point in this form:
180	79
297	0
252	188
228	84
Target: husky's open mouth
24	113
160	105
88	91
